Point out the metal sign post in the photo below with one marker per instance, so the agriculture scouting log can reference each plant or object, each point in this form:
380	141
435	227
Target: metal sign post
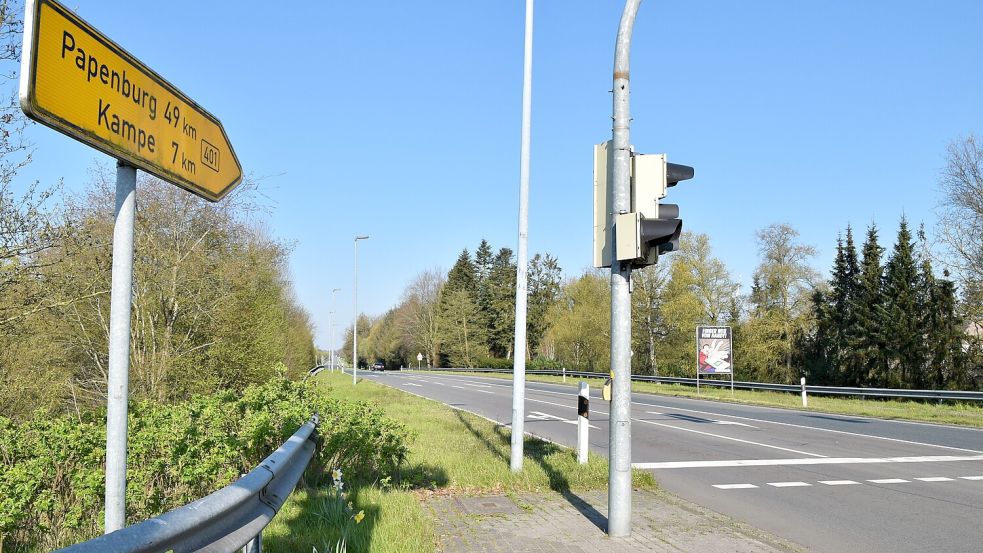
119	347
77	81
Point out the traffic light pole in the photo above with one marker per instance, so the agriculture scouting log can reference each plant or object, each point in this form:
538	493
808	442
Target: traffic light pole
619	445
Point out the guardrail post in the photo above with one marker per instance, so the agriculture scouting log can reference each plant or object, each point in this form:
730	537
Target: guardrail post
255	545
564	375
583	419
805	400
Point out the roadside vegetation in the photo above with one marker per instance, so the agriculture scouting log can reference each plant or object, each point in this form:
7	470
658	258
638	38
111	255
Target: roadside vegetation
53	465
948	412
449	452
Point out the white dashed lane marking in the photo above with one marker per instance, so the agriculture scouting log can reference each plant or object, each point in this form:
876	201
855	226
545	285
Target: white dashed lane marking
734	486
971	477
936	479
789	484
889	481
838	482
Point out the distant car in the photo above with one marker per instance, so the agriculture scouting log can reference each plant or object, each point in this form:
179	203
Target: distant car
378	367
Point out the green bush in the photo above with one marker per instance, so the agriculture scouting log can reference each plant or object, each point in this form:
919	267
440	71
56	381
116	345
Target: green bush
542	363
53	467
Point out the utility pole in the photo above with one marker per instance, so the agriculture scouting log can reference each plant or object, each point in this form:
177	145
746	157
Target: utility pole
619	445
355	309
519	357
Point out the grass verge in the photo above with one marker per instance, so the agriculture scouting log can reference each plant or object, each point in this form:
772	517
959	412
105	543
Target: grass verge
958	413
451	452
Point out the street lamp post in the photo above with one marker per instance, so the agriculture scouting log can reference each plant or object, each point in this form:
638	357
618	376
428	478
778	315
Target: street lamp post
519	372
355	309
330	328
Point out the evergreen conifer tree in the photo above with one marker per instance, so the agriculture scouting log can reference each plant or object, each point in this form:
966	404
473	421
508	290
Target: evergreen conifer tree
902	326
942	328
483	258
849	363
463	275
868	308
501	289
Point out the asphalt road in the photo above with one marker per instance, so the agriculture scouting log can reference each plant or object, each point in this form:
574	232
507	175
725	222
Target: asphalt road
830	483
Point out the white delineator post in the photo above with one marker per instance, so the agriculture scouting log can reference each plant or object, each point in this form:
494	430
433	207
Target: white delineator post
119	347
805	400
519	372
583	421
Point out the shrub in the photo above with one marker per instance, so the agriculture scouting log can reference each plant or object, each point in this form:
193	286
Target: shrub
53	467
542	363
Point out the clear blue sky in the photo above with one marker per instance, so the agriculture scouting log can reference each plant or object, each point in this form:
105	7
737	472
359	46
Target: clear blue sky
401	119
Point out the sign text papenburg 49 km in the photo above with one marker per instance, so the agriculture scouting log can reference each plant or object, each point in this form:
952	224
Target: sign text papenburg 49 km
79	82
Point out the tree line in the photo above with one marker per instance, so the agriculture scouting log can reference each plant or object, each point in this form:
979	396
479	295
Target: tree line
212	303
464	318
881	319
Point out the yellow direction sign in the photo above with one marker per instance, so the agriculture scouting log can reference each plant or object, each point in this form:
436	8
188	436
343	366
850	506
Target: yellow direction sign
79	82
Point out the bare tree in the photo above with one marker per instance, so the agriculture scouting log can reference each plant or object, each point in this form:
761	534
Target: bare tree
961	207
780	295
420	313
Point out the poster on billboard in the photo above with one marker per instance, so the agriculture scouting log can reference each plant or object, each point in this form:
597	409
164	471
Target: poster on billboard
714	349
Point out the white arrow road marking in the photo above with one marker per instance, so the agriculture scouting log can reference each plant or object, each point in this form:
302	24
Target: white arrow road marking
539	415
726	438
815	427
735	424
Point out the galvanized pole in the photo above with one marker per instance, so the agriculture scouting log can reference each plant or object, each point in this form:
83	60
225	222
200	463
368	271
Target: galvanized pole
355	324
119	347
519	357
619	446
330	329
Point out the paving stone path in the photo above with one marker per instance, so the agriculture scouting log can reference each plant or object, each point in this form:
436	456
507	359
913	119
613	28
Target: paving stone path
575	523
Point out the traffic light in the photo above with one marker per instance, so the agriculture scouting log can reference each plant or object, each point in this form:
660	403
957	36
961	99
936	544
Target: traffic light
650	228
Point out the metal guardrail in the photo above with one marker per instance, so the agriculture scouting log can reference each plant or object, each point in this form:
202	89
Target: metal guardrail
229	519
889	393
314	371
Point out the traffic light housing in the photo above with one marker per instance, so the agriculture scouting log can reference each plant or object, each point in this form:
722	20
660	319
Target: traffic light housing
650	228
